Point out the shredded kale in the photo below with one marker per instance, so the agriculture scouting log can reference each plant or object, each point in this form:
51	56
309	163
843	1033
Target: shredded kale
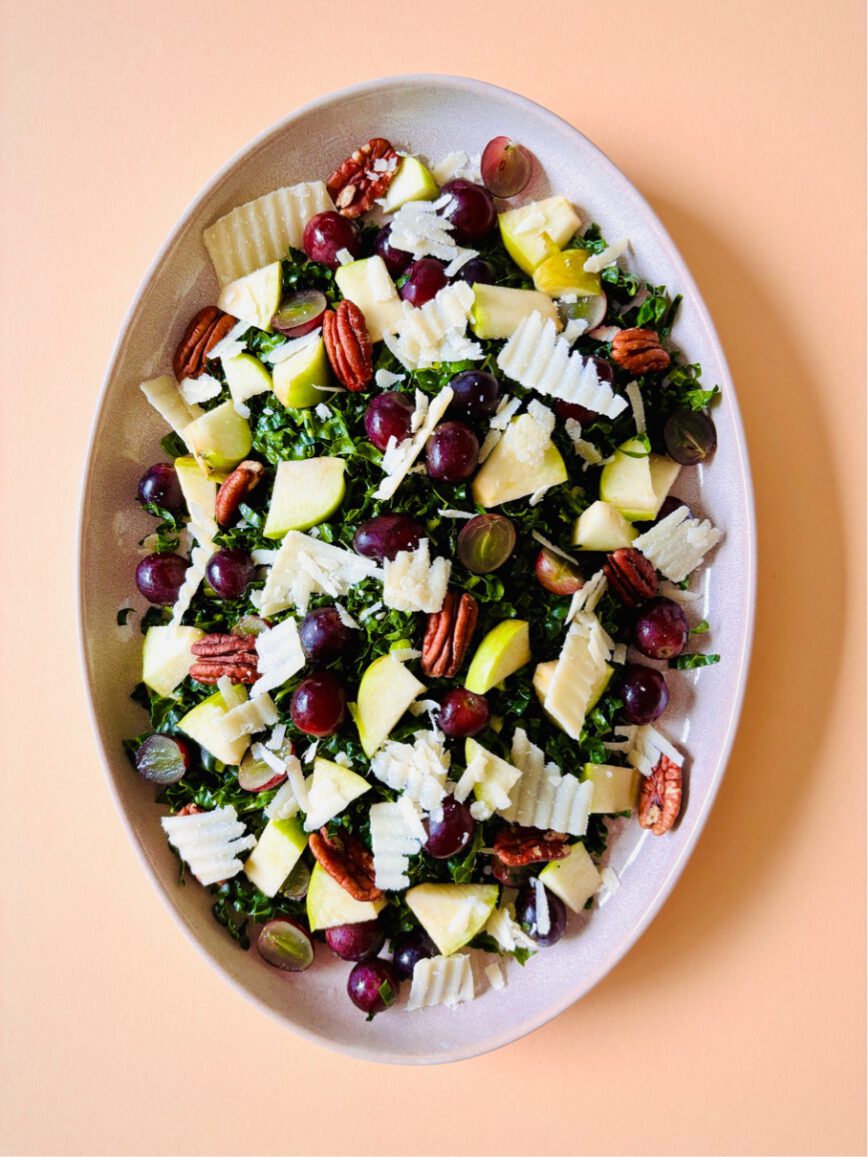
689	662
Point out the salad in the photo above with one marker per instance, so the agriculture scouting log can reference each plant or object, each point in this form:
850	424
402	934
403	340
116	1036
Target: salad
420	578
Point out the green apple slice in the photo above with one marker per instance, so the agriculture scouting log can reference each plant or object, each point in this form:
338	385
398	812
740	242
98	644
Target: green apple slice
531	232
277	852
506	475
636	482
368	285
254	298
504	649
246	377
452	914
663	474
574	879
412	182
602	527
386	691
166	656
498	311
614	788
562	273
328	905
204	724
330	789
295	378
221	437
306	492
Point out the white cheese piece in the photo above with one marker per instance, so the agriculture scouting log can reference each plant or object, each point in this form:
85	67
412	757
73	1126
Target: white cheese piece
506	409
551	546
405	454
619	653
604	333
495	976
459	260
412	581
543	798
588	597
503	928
634	394
492	779
418	228
165	397
611	882
346	618
586	450
279	654
385	379
322	411
284	805
441	980
277	737
255	714
231	345
538	495
574	329
201	389
678	544
457	165
344	257
310	754
543	916
209	842
678	595
645	745
436	331
449	513
192	580
418	770
538	358
306	566
369	610
580	667
393	842
598	261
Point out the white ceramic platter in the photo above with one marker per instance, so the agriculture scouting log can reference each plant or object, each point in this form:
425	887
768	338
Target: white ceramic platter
432	115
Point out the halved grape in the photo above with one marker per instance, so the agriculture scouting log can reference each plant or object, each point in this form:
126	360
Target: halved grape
300	313
506	167
250	625
163	759
588	309
485	543
690	436
255	774
556	574
285	944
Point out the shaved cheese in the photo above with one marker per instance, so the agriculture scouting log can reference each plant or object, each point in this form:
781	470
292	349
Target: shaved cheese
619	653
284	805
678	543
310	754
344	257
574	329
418	228
587	597
495	975
393	841
277	737
586	450
385	379
322	411
457	165
403	455
677	594
195	574
503	928
418	769
645	745
209	842
580	668
507	408
436	332
598	261
279	656
413	582
306	566
492	778
611	882
489	442
165	397
255	714
457	513
441	980
554	549
460	259
543	916
634	395
604	333
542	797
346	618
369	610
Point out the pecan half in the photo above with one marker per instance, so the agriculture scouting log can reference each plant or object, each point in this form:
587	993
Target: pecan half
206	329
348	345
244	478
347	861
231	655
660	796
639	351
631	576
517	846
448	634
364	177
190	809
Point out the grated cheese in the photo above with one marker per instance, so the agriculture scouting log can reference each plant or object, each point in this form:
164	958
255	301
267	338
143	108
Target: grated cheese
385	379
678	544
413	582
598	261
419	228
441	980
503	928
322	411
209	842
436	331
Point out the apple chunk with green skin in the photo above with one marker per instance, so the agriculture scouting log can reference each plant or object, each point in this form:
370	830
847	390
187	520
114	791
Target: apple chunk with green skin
506	475
204	724
531	232
412	182
328	905
574	879
368	285
167	658
635	482
306	492
498	311
246	377
614	788
602	527
277	852
504	649
386	691
296	378
254	298
221	437
452	914
330	789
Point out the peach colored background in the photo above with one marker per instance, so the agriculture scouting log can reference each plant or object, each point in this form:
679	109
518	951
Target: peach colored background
736	1025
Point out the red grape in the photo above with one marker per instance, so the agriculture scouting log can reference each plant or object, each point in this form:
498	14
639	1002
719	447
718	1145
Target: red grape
463	713
388	416
471	212
670	504
661	629
591	310
300	313
387	535
229	572
476	395
506	167
318	704
356	941
284	944
476	271
163	759
556	574
396	260
425	279
485	542
326	234
323	634
408	948
526	915
644	692
159	485
373	985
451	832
690	436
452	452
159	577
509	875
574	410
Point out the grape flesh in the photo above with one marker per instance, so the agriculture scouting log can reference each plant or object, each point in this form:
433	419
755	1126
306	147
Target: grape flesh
323	634
556	574
396	260
326	234
300	313
425	279
356	941
387	535
476	395
319	704
229	572
256	775
159	577
506	167
661	629
451	832
452	452
526	915
485	542
644	692
476	271
591	310
388	416
463	713
163	759
284	944
690	437
159	486
471	212
409	948
373	985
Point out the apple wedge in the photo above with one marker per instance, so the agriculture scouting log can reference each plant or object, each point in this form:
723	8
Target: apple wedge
614	788
507	475
498	311
368	285
412	182
306	492
329	905
532	232
602	527
330	789
504	649
254	298
246	377
296	378
574	879
220	437
386	691
452	914
277	851
204	724
167	658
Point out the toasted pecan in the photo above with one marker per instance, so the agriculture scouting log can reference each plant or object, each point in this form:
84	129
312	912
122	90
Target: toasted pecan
447	635
639	351
348	346
660	796
363	177
516	846
244	478
347	861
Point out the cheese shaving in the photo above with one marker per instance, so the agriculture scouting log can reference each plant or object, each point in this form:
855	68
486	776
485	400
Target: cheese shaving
598	262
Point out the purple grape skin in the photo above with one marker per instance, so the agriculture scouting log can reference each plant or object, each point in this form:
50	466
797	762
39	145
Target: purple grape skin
476	271
326	234
356	941
525	914
472	213
661	629
476	395
159	486
409	948
324	636
229	572
367	979
397	261
509	875
670	504
644	693
159	577
318	704
452	452
387	535
690	437
425	278
452	832
388	415
463	713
